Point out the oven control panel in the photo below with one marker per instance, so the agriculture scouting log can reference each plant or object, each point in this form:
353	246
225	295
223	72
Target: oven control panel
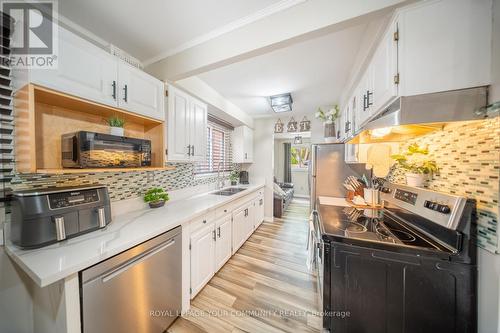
437	207
73	198
442	208
406	196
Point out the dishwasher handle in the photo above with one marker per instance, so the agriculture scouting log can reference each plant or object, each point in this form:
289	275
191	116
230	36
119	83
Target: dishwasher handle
136	260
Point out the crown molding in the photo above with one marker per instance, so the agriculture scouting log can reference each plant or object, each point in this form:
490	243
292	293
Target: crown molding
265	12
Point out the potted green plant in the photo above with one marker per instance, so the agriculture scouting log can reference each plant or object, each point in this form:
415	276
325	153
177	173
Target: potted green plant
328	118
156	197
233	176
416	166
116	125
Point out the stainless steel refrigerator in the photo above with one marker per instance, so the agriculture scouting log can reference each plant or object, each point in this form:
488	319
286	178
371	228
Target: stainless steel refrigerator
327	171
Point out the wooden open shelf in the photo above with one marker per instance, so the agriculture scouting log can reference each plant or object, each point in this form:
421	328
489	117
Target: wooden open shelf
43	115
70	170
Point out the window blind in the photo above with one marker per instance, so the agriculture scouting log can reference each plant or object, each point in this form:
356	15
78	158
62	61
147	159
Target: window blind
219	148
6	116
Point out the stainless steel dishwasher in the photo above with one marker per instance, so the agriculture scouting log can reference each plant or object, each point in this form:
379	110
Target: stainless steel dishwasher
138	290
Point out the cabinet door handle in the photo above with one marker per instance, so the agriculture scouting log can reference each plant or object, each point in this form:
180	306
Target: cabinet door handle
260	202
246	156
189	150
192	150
213	235
114	89
368	102
125	95
218	231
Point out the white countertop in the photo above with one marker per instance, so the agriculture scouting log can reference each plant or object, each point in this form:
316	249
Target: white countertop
55	262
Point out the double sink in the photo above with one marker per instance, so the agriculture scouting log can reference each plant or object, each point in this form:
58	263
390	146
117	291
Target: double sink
229	191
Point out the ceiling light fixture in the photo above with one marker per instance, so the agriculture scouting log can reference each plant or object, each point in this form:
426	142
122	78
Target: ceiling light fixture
281	103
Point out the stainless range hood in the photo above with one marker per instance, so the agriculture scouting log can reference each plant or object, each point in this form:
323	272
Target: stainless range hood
411	116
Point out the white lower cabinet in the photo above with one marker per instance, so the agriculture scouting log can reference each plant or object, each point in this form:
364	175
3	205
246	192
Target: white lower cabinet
243	224
202	244
223	243
215	236
259	211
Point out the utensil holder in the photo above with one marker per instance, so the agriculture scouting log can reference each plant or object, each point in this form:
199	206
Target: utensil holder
371	196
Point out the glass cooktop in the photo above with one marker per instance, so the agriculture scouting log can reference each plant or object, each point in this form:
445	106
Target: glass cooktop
369	225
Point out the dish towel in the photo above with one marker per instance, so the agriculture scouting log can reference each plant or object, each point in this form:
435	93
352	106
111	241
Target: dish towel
310	245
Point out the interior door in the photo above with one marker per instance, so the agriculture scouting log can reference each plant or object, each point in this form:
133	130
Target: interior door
178	128
139	92
224	241
202	257
198	130
84	70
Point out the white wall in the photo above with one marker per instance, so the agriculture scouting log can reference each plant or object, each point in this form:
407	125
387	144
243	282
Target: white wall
203	91
489	263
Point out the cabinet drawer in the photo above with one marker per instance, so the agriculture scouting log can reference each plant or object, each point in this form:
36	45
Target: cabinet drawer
224	210
201	221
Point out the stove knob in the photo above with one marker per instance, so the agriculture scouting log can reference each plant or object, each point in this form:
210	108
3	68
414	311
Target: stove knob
385	190
444	209
428	204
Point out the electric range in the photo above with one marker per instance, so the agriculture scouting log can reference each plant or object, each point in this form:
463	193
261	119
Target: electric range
409	267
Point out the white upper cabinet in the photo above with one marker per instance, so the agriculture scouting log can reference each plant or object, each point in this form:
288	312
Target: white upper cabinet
84	70
366	96
242	145
140	92
186	127
428	47
178	125
197	132
384	69
445	45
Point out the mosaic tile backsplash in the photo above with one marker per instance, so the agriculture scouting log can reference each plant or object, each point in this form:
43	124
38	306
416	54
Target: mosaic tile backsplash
122	185
468	157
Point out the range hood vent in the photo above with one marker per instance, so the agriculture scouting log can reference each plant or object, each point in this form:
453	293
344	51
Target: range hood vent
412	116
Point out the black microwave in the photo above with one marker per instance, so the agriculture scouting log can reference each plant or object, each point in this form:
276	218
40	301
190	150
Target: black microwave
96	150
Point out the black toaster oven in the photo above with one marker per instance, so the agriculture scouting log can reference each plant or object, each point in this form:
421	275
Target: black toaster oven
96	150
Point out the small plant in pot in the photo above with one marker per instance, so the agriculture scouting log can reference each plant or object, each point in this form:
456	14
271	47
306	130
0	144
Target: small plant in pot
233	176
116	125
328	118
416	166
156	197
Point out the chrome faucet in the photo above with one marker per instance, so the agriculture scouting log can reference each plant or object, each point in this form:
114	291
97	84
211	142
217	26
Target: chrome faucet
220	180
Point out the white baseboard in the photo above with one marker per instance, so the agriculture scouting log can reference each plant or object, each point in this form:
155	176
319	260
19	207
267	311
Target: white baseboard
268	219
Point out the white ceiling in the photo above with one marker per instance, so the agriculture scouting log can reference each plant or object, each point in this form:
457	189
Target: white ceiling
148	29
314	71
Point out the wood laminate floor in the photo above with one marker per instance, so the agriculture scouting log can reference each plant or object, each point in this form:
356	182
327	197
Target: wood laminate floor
264	287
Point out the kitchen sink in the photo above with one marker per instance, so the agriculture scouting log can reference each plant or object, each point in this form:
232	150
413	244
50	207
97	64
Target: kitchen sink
229	191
